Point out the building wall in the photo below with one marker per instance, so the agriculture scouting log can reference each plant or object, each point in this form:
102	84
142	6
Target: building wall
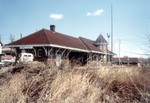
103	47
74	57
44	56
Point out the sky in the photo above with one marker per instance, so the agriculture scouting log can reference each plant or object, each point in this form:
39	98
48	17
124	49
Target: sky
86	18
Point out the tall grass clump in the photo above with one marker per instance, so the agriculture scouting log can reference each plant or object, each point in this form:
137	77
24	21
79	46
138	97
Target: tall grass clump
46	83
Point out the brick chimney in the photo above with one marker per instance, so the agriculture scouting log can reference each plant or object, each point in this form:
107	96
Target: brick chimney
52	28
20	35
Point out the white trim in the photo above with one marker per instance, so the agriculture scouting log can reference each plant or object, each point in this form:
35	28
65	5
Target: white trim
92	51
27	47
64	47
58	46
51	45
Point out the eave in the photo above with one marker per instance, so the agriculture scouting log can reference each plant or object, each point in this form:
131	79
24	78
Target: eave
53	45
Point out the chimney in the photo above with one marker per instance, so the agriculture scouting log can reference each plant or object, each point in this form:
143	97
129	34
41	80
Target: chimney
52	28
20	35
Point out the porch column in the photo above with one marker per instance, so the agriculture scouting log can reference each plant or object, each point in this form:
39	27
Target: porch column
68	53
34	51
49	51
46	51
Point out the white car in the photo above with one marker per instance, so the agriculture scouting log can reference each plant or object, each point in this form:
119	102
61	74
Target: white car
26	57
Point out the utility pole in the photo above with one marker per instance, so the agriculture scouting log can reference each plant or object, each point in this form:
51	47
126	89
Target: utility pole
108	36
111	28
119	51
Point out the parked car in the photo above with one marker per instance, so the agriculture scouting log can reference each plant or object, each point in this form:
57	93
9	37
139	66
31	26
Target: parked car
8	60
26	57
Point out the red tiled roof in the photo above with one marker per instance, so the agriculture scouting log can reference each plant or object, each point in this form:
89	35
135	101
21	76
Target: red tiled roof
89	44
49	37
35	38
63	40
45	36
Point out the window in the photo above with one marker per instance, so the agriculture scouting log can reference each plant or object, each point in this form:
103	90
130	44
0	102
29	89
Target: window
29	55
105	47
39	52
101	47
25	55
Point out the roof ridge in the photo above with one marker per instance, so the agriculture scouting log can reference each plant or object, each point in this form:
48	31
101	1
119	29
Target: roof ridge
83	43
87	47
101	39
46	36
62	34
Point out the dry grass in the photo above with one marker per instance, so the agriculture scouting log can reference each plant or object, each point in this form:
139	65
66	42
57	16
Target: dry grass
40	83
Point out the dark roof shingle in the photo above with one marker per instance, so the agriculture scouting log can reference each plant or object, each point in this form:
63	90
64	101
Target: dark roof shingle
89	44
100	40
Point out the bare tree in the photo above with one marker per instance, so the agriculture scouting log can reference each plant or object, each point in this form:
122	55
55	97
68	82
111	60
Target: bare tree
11	38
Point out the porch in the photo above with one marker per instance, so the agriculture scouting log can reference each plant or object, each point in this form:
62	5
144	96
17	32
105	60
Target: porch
60	55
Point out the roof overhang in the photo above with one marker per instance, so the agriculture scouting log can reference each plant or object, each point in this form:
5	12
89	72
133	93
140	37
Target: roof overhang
45	45
52	45
92	51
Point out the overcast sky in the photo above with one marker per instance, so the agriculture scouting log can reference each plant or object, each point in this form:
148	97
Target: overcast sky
86	18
